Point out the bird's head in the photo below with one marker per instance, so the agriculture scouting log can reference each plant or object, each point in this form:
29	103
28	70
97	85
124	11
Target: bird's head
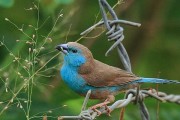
75	54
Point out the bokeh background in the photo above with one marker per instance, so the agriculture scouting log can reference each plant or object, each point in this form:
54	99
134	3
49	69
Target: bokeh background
154	50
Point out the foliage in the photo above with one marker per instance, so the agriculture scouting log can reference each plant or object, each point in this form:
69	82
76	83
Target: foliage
63	1
6	3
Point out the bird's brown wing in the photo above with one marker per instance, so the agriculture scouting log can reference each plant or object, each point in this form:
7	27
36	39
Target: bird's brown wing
106	75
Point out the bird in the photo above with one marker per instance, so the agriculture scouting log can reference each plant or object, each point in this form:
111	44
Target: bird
82	72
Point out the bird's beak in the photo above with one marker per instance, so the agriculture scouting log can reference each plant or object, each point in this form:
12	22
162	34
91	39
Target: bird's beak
63	48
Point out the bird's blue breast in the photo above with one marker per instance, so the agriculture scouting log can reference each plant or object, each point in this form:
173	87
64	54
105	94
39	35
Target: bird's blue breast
72	79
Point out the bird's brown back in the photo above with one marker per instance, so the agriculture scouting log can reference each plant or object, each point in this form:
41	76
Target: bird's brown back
105	75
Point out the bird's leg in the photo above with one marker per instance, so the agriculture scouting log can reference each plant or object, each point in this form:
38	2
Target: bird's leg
94	107
107	101
100	104
107	108
151	89
98	112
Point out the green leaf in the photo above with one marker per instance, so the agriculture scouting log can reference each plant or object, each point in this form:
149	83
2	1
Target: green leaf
6	3
64	1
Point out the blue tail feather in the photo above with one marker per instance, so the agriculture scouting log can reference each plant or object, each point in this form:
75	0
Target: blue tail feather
156	80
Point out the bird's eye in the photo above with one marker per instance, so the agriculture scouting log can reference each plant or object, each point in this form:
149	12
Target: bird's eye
74	50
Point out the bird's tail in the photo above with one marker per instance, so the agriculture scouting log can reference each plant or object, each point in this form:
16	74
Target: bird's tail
157	80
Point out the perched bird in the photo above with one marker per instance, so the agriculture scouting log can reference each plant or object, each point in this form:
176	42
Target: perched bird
81	72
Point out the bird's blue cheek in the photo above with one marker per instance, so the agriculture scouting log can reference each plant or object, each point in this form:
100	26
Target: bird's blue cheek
74	60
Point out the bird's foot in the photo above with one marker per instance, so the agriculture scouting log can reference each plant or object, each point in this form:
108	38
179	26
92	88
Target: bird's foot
108	110
98	112
151	89
101	105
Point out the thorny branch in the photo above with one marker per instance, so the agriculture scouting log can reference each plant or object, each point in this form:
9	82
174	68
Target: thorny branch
130	96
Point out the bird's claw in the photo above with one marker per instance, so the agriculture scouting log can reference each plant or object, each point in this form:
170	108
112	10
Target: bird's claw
101	105
108	110
98	112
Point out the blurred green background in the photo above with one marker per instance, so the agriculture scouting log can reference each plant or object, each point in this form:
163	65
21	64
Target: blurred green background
154	50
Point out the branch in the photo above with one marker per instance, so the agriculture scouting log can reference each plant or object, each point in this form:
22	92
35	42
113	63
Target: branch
130	96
